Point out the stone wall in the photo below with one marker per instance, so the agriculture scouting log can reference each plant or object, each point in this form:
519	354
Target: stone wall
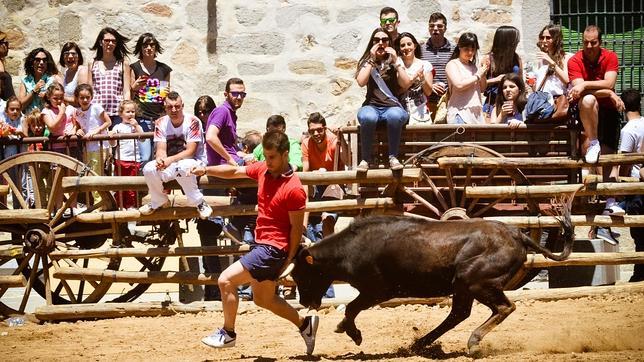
295	56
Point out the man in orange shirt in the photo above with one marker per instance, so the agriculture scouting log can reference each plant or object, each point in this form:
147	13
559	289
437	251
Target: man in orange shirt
319	152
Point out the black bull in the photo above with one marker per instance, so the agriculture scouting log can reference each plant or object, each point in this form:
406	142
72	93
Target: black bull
388	257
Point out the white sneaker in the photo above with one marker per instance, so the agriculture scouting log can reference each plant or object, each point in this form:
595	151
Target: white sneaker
363	166
204	210
615	210
219	339
592	154
394	164
147	209
309	333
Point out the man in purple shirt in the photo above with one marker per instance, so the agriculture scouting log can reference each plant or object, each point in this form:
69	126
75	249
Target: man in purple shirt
221	130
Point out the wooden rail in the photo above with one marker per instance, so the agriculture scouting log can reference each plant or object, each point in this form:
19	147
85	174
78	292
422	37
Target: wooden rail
4	190
12	281
151	252
11	251
537	162
230	210
604	189
19	216
111	183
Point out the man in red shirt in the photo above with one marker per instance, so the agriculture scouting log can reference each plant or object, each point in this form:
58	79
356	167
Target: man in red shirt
593	73
278	233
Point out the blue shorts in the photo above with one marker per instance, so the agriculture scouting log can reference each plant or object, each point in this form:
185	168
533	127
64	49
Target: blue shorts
264	262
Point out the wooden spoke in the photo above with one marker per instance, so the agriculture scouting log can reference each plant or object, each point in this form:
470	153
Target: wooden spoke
56	187
60	211
30	283
468	178
450	183
81	285
487	207
45	268
425	203
36	182
436	192
16	190
65	285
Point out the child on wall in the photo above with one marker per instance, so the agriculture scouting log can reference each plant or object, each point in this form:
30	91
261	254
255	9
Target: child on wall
91	119
128	151
509	106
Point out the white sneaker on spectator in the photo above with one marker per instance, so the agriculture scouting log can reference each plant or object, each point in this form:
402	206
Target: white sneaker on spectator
394	164
592	154
615	210
363	166
204	210
147	209
606	235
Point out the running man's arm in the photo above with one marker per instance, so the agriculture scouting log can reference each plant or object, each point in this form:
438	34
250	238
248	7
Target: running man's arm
296	219
221	171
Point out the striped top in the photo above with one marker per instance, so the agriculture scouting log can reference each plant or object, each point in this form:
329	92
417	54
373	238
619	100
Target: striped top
438	57
108	86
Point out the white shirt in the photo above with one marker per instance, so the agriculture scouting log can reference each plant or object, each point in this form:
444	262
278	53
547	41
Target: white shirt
553	84
129	149
631	140
414	98
176	138
90	120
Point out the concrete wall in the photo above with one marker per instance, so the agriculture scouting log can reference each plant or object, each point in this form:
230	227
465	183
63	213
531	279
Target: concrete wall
296	56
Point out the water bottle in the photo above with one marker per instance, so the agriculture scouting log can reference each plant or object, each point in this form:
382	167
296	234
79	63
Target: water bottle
16	321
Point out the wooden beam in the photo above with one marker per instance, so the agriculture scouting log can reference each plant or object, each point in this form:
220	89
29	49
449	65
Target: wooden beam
23	216
490	128
515	192
106	275
537	162
191	212
575	259
11	251
578	220
12	281
4	190
153	309
151	252
111	183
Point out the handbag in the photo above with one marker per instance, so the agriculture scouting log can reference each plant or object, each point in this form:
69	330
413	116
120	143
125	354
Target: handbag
335	191
560	112
441	109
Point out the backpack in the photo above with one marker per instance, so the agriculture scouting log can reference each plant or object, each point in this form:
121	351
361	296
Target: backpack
540	106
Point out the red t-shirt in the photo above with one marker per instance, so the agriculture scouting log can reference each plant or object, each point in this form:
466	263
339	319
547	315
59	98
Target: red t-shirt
321	159
275	198
579	67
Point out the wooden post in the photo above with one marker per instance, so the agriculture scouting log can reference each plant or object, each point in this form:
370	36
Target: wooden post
12	281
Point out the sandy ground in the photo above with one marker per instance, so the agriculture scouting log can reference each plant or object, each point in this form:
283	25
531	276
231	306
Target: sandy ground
604	328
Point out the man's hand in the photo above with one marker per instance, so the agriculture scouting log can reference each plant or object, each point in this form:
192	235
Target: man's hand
576	91
161	163
617	101
198	171
231	161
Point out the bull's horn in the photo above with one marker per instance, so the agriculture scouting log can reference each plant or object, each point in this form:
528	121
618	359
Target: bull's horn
287	271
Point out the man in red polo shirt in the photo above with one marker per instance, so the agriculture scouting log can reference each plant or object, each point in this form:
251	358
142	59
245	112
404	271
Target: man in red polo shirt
278	233
593	73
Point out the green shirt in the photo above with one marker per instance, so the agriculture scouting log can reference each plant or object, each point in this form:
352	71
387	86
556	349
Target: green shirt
294	153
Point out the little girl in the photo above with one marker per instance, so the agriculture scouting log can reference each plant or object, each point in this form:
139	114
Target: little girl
510	104
90	119
11	128
58	118
128	153
34	126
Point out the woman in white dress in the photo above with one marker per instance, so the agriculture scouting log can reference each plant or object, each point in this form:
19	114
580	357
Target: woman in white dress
414	98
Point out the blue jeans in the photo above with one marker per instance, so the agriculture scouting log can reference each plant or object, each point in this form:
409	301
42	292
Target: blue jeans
146	145
369	116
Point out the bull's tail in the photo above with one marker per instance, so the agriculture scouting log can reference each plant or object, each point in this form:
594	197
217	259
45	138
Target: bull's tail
568	231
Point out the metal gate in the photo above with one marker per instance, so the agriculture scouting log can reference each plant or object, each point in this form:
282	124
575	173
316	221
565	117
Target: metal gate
621	23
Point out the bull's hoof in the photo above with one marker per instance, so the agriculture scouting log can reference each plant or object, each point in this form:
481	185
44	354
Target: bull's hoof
356	337
475	351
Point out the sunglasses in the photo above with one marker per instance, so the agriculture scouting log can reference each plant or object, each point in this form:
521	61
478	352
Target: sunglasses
377	40
73	54
387	21
39	60
313	131
177	106
113	41
241	95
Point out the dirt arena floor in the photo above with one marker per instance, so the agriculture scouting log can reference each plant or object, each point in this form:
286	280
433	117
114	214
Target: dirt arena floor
603	328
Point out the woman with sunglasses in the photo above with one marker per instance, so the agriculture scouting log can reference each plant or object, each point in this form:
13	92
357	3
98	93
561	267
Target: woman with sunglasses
384	76
41	72
552	65
6	88
109	73
74	72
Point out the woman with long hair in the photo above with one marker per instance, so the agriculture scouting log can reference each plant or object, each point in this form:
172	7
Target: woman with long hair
6	86
466	81
510	103
379	70
552	66
74	72
40	73
109	74
503	59
203	107
414	98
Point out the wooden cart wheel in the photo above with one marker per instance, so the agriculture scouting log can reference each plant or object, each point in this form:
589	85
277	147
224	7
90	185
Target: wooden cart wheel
46	221
444	189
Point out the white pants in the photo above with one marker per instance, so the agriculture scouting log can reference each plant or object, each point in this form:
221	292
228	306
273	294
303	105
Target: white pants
175	171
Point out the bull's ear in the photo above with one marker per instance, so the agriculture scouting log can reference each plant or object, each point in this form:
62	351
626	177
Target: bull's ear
309	259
